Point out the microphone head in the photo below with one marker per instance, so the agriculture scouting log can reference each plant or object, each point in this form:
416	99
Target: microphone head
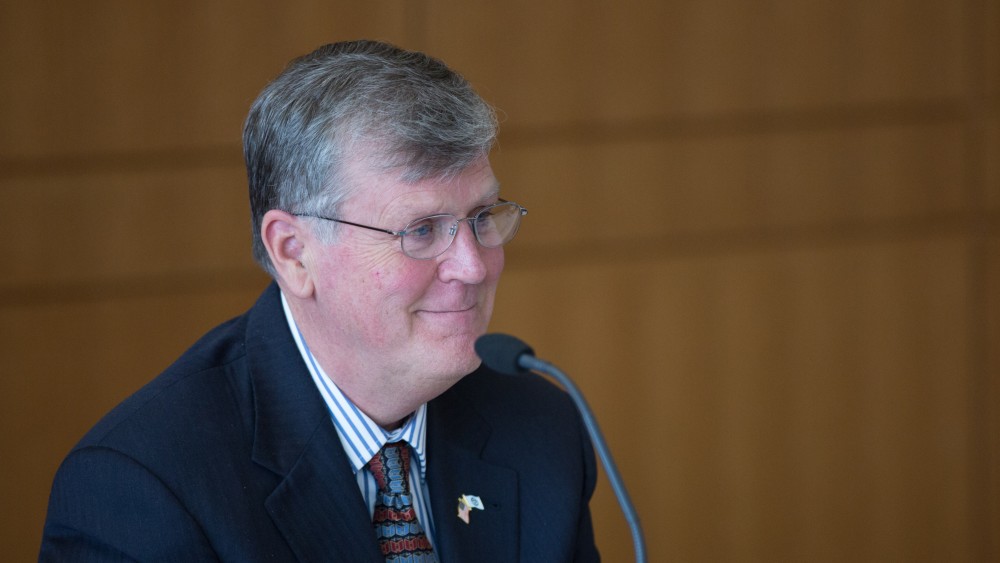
502	353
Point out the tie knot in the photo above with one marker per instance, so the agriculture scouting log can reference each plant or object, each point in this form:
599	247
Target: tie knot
391	466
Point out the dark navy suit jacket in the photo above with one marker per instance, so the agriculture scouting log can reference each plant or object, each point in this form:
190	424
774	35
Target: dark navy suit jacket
231	455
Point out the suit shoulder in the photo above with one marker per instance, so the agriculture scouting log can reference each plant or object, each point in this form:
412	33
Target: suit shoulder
521	395
199	382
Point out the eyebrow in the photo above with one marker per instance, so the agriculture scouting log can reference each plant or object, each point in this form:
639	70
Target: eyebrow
489	198
492	196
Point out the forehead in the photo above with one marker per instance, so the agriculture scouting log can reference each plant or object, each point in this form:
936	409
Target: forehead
386	192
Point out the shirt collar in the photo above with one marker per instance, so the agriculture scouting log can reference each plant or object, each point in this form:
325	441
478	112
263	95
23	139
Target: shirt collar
361	437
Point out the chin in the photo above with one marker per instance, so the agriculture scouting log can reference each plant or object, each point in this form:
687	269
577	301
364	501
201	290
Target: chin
445	350
457	357
445	377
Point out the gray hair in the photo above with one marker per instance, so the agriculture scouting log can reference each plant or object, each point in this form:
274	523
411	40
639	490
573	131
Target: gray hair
401	109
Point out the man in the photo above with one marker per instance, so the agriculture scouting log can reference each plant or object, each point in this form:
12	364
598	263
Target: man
345	416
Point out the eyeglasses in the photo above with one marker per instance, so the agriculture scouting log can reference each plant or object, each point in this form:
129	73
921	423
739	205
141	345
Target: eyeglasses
429	237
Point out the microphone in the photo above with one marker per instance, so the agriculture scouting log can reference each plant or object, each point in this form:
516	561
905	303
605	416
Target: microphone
508	355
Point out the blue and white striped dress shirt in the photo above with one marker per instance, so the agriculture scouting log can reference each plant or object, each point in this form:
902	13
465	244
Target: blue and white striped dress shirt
362	438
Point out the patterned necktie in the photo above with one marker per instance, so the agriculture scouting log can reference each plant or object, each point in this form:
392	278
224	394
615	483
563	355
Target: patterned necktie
400	536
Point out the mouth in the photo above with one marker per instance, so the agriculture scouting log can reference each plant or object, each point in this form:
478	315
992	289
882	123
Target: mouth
448	311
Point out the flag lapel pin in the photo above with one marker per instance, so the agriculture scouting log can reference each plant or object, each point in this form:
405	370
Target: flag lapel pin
465	504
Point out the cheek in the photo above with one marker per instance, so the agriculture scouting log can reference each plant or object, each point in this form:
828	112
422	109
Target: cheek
378	273
403	285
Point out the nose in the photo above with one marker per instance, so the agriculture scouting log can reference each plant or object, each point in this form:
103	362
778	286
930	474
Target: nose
463	261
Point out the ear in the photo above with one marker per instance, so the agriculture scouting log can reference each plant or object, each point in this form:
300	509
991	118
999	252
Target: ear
285	236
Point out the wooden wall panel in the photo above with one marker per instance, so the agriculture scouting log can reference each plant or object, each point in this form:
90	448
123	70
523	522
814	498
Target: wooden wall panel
991	162
988	413
991	414
124	76
800	405
986	16
624	61
633	192
93	228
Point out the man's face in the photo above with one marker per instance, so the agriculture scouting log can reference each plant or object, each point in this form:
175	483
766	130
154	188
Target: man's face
390	319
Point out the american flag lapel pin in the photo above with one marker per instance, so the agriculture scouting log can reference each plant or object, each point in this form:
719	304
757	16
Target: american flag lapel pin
467	503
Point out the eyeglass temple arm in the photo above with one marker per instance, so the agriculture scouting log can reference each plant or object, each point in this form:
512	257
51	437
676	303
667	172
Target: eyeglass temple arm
369	227
387	231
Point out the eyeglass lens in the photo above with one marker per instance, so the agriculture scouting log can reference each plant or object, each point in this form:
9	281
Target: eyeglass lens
493	226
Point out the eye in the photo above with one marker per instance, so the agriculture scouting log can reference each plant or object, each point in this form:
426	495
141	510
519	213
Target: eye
424	228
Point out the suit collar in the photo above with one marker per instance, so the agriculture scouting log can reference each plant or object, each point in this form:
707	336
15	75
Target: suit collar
317	504
288	409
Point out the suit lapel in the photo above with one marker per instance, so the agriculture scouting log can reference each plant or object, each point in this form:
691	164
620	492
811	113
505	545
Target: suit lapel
317	505
456	436
320	511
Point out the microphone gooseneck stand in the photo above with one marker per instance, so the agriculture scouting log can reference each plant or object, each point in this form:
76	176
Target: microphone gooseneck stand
506	354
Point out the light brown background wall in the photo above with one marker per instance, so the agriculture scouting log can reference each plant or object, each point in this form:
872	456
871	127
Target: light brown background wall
764	237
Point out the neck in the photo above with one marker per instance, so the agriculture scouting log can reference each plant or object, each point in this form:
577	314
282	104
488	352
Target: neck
387	396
